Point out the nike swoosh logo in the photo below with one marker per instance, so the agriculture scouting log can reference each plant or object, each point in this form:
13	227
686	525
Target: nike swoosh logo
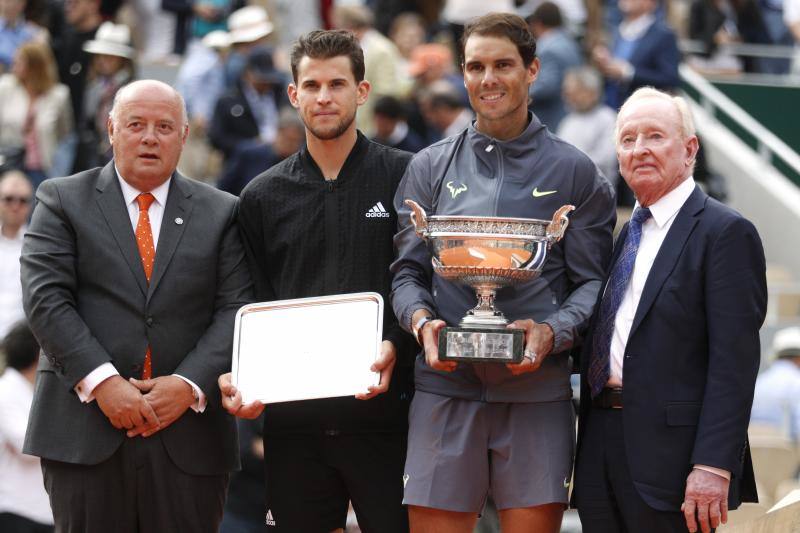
537	194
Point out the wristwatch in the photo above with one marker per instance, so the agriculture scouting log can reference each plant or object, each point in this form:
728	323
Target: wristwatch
417	329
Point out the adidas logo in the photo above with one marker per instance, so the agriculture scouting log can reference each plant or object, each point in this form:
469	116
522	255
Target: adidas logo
270	519
378	211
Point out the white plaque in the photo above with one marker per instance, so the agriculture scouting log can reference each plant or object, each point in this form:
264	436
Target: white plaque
307	348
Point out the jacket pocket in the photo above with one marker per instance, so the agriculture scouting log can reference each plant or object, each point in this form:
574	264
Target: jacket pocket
683	413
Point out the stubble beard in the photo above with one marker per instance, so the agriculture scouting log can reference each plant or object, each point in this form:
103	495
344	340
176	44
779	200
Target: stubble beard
333	132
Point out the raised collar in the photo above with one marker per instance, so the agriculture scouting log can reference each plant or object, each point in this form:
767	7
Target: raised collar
524	142
314	174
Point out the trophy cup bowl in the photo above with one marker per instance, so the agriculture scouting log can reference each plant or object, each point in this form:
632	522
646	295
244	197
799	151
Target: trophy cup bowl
486	253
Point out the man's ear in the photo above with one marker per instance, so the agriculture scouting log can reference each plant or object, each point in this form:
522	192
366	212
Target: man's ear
363	90
110	129
291	91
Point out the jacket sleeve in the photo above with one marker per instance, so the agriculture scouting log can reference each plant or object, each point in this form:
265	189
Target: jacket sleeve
735	307
587	245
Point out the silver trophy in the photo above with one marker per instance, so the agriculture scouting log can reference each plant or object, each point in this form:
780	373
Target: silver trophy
486	253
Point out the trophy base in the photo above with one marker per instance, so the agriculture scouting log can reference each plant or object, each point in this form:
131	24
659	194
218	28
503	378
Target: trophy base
481	345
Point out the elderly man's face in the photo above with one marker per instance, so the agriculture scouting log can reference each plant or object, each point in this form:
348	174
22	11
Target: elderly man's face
16	197
654	157
147	135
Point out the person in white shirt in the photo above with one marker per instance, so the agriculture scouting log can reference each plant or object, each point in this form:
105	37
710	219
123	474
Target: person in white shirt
16	196
669	364
24	506
777	398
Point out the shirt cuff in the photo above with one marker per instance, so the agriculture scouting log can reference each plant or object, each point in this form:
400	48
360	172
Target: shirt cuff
714	470
199	404
85	387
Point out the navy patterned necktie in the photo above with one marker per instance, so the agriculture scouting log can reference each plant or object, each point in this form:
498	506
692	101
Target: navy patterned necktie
599	369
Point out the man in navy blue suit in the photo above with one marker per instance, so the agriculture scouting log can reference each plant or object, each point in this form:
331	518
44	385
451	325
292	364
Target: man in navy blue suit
669	366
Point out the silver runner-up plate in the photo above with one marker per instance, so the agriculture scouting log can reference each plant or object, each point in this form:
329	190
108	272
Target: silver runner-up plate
307	348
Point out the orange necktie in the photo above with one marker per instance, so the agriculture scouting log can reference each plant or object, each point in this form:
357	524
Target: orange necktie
144	239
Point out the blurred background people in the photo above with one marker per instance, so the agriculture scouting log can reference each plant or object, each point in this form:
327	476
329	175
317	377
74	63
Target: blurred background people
391	125
111	67
558	52
24	505
777	397
15	31
249	27
250	160
644	52
590	123
16	200
35	114
248	113
444	111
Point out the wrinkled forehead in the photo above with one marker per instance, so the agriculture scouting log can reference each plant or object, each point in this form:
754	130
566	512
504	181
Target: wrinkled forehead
649	112
150	107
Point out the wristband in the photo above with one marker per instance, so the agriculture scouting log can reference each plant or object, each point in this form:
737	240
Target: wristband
417	329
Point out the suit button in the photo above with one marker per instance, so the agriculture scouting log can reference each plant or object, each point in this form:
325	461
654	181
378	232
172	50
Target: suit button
149	321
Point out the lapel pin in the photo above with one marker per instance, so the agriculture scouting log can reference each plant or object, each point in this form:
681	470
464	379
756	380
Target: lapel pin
179	221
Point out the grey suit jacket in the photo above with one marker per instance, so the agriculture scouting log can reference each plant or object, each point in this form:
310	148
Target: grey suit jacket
88	303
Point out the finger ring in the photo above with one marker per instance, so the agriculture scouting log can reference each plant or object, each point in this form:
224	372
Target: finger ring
529	354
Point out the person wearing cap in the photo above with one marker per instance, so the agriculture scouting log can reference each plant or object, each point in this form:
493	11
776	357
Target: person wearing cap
111	67
777	398
248	28
248	113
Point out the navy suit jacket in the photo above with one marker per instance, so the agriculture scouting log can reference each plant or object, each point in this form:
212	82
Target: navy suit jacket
692	356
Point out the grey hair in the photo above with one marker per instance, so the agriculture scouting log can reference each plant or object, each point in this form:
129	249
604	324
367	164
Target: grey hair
687	122
120	95
587	77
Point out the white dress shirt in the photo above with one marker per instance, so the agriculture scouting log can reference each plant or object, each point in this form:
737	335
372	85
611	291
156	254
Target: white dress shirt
654	230
10	286
85	387
21	486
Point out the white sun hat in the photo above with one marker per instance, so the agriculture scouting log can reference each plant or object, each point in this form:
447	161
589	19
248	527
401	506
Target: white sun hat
249	24
111	40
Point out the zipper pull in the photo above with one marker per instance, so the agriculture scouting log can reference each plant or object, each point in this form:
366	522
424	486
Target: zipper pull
489	148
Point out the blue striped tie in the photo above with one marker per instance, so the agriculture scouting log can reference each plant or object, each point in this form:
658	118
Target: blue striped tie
599	369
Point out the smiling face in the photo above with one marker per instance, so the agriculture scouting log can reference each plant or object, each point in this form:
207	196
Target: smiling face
654	156
327	95
147	134
497	82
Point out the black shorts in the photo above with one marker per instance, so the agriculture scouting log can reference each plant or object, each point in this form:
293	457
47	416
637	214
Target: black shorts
311	479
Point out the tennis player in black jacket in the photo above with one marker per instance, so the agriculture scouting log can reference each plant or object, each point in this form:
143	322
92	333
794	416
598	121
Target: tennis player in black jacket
321	222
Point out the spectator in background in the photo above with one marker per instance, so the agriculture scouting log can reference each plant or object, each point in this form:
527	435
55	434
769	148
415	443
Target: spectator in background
444	111
557	52
772	12
791	16
154	30
391	126
248	113
82	21
111	68
35	115
381	59
15	31
16	198
433	62
644	52
777	398
407	32
590	123
24	505
249	161
249	28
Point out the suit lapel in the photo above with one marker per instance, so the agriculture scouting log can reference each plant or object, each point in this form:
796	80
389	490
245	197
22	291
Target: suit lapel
112	205
178	208
668	254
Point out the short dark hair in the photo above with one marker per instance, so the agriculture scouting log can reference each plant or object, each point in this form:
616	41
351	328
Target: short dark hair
391	107
20	347
325	44
512	27
548	15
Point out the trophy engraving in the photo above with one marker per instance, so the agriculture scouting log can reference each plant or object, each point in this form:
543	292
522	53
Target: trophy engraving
486	253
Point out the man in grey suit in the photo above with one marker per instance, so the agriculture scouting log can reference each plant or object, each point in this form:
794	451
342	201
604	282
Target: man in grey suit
132	275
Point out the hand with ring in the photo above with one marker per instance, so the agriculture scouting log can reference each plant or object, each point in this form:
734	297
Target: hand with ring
538	343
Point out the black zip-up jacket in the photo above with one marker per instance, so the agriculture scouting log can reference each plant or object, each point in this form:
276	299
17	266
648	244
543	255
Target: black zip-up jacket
306	236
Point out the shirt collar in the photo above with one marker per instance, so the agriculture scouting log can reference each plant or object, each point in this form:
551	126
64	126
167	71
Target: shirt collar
633	29
129	193
668	205
18	237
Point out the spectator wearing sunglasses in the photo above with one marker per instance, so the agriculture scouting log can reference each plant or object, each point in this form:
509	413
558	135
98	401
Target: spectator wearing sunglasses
16	195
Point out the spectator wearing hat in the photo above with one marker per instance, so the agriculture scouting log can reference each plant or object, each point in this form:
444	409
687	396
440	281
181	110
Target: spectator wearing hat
249	28
111	67
777	397
391	127
558	52
201	77
248	113
24	506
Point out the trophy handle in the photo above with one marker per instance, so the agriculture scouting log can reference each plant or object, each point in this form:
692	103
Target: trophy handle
418	218
557	227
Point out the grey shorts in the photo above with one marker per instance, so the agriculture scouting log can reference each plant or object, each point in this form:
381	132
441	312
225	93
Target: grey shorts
460	450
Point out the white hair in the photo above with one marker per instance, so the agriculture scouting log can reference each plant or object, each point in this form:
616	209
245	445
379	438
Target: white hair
687	122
